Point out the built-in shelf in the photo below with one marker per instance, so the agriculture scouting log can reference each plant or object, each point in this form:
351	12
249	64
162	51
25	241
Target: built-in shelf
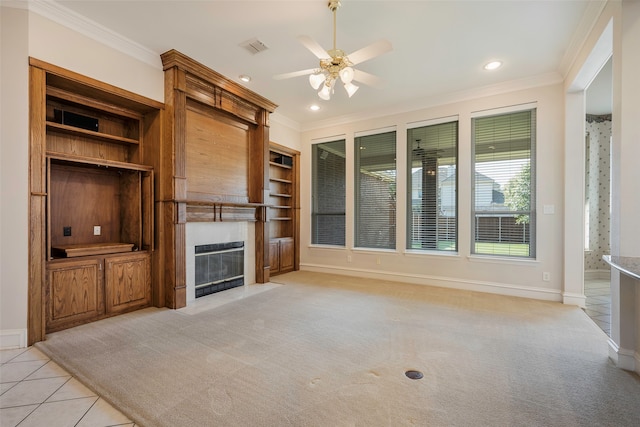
283	212
71	130
285	181
280	165
71	251
91	188
89	161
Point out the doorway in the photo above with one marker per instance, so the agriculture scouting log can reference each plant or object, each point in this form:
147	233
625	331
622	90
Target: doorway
597	201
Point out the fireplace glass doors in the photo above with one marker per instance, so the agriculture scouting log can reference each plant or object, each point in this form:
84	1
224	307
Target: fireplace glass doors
219	266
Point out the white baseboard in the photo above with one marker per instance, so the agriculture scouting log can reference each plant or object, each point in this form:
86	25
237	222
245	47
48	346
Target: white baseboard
13	338
574	299
623	358
444	282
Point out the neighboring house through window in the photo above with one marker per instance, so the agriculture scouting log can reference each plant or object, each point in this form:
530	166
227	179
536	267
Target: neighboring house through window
504	216
432	212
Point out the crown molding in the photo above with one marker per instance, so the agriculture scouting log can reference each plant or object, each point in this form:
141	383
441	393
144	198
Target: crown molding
285	121
586	25
68	18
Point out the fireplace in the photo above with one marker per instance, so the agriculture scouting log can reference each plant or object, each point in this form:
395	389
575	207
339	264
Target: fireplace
213	237
219	266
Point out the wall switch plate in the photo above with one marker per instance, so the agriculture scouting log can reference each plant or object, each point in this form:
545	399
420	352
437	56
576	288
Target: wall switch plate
66	231
97	230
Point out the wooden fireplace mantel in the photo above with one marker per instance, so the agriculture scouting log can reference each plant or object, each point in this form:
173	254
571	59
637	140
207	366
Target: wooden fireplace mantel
214	163
200	211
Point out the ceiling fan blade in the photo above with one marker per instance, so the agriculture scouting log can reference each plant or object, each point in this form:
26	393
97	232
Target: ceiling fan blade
366	78
314	47
371	51
293	74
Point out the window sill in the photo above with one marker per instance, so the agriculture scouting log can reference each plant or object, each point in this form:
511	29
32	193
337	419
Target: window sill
502	260
417	253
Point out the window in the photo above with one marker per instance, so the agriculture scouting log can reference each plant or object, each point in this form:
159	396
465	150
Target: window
328	194
504	184
375	188
432	183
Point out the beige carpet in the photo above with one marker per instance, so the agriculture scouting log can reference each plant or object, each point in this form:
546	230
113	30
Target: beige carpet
327	350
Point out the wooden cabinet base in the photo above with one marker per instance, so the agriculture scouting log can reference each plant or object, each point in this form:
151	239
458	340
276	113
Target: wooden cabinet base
127	283
74	293
84	290
281	255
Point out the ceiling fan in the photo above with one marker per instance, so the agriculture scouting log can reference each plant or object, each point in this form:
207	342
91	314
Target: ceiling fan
335	64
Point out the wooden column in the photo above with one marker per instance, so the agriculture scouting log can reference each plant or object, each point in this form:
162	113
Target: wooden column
37	205
260	174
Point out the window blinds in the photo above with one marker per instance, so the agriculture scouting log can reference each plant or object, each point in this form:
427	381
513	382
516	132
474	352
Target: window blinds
503	184
375	187
432	185
328	193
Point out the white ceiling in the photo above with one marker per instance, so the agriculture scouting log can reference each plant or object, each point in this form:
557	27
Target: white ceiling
439	47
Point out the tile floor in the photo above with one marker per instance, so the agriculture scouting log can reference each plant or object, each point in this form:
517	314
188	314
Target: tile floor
36	392
598	304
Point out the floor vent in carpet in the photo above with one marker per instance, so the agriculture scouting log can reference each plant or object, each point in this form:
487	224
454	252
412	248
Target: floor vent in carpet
414	375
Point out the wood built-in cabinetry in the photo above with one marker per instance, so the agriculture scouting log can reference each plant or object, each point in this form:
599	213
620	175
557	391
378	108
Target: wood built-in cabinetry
215	165
91	203
283	211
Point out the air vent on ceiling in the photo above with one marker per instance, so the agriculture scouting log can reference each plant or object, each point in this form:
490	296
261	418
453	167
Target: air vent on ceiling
254	46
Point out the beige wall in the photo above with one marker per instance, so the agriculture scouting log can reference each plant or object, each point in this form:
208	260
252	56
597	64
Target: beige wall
58	45
463	271
14	156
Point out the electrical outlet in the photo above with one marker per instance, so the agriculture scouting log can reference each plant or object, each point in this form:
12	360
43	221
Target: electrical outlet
66	231
348	258
97	230
546	276
378	260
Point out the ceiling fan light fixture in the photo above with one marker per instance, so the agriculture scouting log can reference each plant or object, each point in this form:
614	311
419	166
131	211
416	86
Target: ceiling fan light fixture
325	92
346	75
316	79
336	64
351	88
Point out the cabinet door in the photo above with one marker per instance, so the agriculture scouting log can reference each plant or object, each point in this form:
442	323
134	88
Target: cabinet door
127	282
274	256
287	249
74	293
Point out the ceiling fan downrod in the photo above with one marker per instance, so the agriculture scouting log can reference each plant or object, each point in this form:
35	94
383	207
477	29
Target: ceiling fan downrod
333	7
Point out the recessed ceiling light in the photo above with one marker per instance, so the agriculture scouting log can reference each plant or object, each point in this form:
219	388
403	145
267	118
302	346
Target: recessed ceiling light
245	78
314	107
493	65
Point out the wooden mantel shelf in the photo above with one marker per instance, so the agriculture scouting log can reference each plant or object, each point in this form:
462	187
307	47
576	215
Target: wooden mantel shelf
209	211
224	203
